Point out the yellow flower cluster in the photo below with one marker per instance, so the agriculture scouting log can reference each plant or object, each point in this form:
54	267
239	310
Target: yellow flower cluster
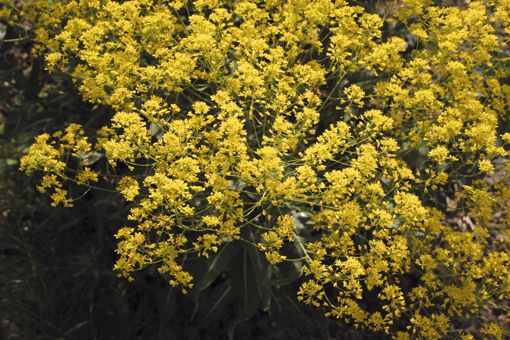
216	109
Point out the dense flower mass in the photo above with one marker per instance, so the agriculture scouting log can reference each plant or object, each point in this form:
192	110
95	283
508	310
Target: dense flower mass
329	132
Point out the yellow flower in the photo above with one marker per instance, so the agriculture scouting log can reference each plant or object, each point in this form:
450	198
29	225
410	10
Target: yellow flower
218	128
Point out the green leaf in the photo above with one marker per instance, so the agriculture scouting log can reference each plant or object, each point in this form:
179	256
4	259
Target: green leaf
76	327
287	310
286	272
224	295
208	269
261	266
243	278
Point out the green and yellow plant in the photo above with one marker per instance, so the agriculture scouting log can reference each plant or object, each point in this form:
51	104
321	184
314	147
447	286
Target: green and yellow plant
323	135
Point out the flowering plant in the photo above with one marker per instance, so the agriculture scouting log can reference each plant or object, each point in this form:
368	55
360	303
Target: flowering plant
312	134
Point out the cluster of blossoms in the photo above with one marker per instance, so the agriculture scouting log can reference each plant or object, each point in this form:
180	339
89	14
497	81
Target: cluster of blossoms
246	114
